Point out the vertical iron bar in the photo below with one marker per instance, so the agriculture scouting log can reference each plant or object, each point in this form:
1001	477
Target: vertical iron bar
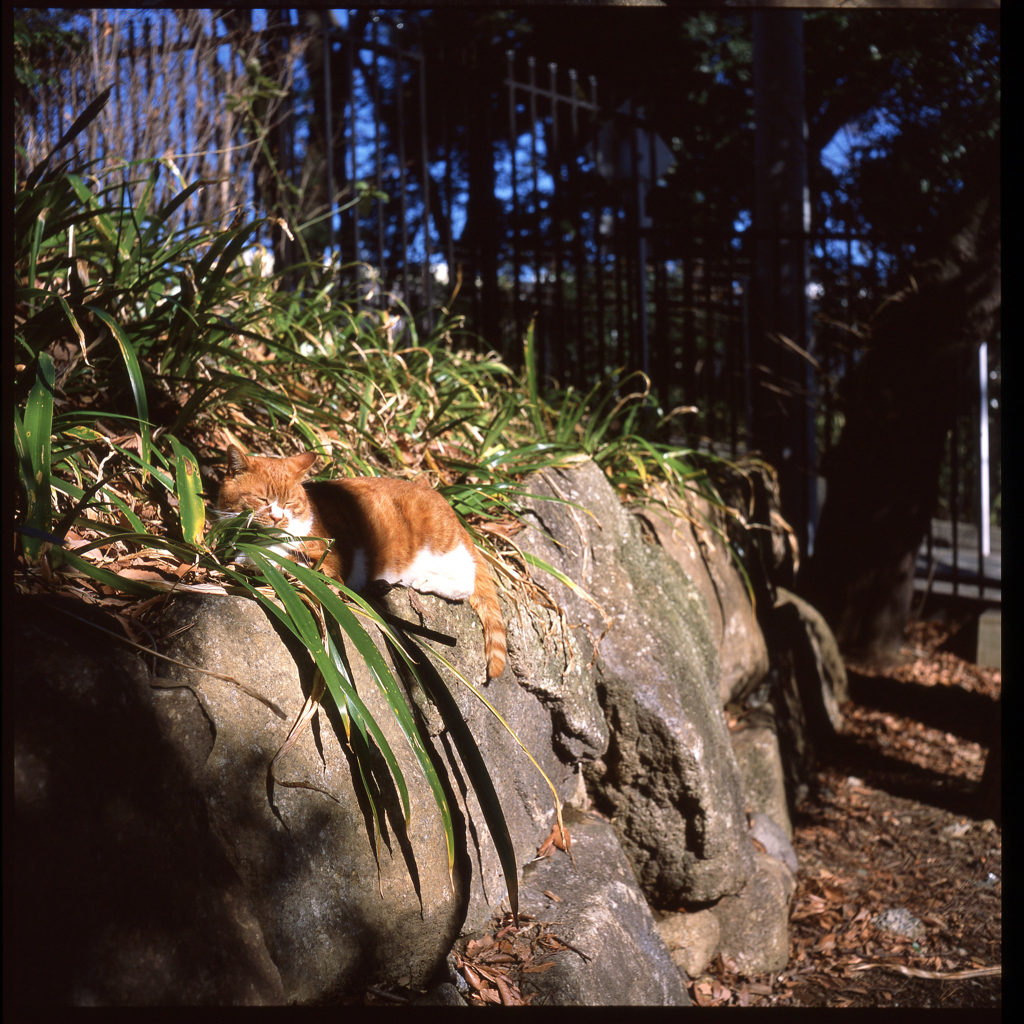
730	354
748	398
579	260
640	345
379	176
517	304
561	352
709	350
623	307
601	333
403	204
449	192
288	125
354	141
689	345
647	226
428	304
325	22
544	370
662	345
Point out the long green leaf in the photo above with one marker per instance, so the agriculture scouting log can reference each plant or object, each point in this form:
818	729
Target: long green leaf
131	227
337	610
106	231
475	766
532	385
189	490
299	620
138	383
74	324
34	438
164	214
212	281
79	125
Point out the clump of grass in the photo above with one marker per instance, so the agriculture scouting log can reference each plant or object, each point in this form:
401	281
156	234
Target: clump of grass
145	347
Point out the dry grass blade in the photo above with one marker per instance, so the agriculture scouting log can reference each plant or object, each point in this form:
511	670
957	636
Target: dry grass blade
917	972
299	726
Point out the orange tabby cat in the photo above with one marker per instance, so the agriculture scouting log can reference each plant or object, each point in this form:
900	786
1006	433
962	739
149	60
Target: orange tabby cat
393	530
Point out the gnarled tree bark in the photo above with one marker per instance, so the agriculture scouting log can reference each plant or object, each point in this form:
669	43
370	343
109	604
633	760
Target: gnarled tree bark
883	476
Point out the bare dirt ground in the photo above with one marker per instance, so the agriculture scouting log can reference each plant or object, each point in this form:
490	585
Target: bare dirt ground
895	826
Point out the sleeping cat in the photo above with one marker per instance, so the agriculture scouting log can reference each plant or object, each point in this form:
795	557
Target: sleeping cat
383	529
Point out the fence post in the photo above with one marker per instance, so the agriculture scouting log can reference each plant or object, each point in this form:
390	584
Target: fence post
325	21
784	413
984	527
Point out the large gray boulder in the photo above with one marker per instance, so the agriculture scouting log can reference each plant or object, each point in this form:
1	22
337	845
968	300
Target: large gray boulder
304	847
697	541
546	697
246	889
120	891
669	777
618	956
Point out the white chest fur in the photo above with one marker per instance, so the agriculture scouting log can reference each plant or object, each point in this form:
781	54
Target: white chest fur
451	575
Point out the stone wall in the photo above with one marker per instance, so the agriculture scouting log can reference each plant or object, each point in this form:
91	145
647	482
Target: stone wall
264	892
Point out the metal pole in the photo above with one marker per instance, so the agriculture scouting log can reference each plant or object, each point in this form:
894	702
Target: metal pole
425	157
517	304
353	119
378	154
985	531
635	119
325	17
402	184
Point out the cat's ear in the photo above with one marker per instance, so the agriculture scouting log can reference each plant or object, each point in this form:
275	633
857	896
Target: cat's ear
236	460
304	462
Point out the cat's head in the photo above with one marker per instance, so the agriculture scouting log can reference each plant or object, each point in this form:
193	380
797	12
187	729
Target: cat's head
270	490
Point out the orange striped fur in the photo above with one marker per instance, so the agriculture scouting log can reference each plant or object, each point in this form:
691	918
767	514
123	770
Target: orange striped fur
382	529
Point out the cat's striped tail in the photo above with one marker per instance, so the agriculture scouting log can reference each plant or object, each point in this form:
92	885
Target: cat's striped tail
484	601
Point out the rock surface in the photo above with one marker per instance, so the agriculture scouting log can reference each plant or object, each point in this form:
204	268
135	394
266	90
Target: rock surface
669	776
159	863
692	939
697	544
306	856
619	957
123	894
756	747
755	922
549	703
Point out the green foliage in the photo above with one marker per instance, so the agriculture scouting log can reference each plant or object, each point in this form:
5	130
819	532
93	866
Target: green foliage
146	347
922	93
41	44
32	442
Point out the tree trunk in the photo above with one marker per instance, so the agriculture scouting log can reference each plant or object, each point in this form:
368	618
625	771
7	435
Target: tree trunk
883	476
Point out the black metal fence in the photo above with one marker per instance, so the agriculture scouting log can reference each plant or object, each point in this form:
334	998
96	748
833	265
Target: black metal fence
512	197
